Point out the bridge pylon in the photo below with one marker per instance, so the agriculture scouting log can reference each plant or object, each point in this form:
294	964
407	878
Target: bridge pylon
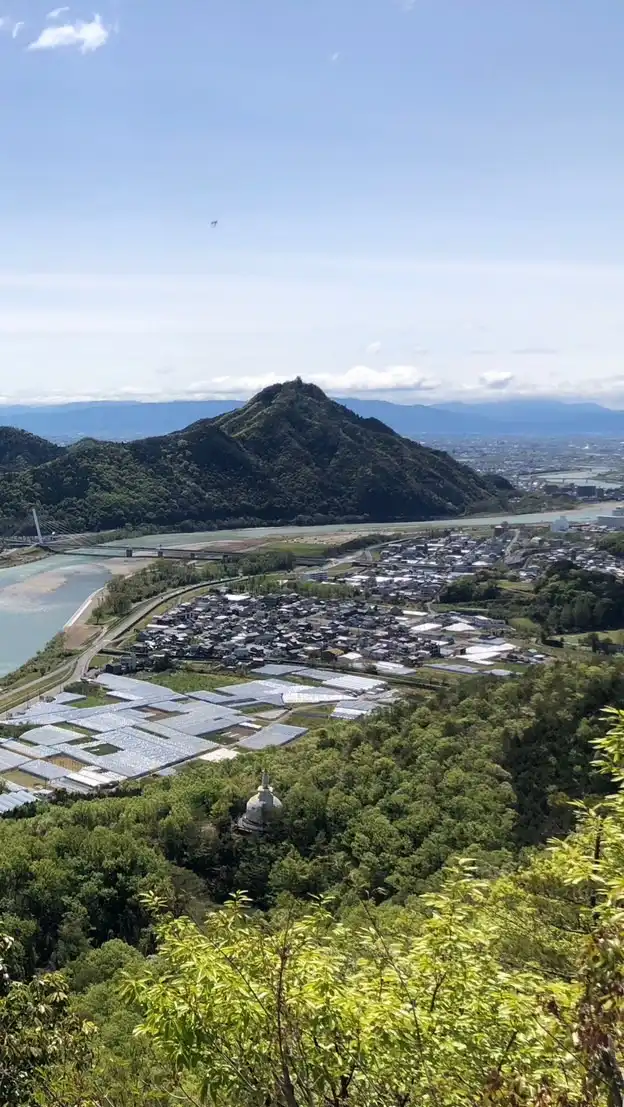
37	527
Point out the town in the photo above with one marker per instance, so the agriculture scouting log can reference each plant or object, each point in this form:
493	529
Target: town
270	658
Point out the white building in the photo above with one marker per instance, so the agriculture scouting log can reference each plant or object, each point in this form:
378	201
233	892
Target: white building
613	522
560	525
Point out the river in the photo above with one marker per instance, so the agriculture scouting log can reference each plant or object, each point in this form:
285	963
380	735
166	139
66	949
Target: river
214	537
580	476
37	600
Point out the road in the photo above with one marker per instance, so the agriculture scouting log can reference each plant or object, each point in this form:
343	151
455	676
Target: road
514	540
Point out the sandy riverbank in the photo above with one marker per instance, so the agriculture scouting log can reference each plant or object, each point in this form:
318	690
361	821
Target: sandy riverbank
78	631
26	594
10	559
279	538
119	567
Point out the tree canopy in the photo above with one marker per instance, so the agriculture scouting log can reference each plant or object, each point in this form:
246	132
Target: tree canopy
428	920
564	598
500	991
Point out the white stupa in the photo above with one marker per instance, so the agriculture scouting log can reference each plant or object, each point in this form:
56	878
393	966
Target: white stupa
262	806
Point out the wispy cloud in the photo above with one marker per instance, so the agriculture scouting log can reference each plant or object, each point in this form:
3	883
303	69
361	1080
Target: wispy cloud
9	26
362	378
535	351
335	56
358	380
496	382
86	36
57	12
373	348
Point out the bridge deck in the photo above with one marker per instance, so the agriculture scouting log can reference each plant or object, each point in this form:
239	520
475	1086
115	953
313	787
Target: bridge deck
174	553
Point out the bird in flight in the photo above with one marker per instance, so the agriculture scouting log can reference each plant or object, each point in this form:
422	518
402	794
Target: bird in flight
214	223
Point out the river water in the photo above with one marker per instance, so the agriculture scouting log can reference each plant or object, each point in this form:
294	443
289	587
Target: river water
37	600
581	476
214	537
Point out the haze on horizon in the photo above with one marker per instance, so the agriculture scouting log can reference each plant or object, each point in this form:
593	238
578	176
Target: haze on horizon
416	199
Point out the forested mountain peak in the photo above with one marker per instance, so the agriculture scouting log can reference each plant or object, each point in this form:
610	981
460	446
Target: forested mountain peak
290	391
297	403
289	455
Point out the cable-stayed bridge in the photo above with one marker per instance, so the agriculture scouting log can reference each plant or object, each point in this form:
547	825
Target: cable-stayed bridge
32	531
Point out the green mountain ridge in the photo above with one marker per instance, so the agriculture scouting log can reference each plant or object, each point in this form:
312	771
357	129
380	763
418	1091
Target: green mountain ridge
19	449
289	455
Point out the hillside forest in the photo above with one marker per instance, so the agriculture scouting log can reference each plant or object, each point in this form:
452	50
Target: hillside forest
289	455
564	599
433	917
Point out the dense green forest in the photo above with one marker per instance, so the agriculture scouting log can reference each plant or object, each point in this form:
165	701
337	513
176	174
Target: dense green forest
110	892
564	599
568	599
375	808
289	455
19	449
613	543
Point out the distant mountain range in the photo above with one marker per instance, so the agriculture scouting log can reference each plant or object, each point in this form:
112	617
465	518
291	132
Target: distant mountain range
288	455
124	421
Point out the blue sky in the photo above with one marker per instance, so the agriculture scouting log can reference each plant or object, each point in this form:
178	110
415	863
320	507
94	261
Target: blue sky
417	200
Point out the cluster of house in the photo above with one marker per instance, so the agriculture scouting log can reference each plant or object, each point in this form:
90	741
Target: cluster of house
309	657
417	569
140	729
241	629
529	462
534	556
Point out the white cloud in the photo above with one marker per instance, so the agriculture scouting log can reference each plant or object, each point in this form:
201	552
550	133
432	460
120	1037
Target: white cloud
362	378
373	348
86	36
496	381
354	381
56	12
335	57
17	28
258	319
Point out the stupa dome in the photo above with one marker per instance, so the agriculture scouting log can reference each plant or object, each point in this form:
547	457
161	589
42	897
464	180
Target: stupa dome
262	806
